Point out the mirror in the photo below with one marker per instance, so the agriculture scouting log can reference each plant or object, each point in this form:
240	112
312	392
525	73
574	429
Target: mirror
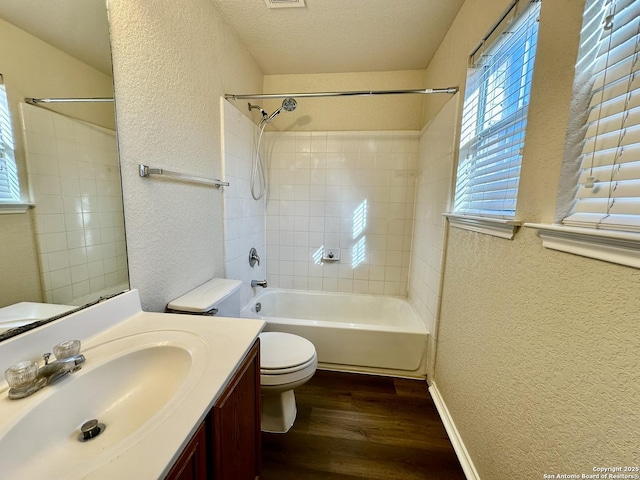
69	248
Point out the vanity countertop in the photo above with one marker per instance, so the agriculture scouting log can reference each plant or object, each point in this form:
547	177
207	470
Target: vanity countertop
150	450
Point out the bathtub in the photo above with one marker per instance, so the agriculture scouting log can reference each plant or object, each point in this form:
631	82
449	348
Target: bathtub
361	333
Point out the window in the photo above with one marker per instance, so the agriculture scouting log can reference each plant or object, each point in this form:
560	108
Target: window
608	186
598	211
494	117
9	185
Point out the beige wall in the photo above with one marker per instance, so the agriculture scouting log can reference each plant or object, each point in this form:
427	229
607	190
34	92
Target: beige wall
32	68
390	112
172	62
537	350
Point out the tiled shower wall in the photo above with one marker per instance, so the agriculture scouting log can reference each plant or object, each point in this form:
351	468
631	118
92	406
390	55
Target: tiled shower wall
351	190
434	187
243	216
74	181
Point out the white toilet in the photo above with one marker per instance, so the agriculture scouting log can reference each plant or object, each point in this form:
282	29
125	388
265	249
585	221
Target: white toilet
286	361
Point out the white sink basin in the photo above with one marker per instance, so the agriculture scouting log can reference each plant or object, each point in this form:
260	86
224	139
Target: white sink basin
130	384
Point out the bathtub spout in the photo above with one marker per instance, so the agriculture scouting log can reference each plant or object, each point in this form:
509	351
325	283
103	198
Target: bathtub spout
259	283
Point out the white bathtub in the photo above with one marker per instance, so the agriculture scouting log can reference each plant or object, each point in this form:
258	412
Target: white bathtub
365	333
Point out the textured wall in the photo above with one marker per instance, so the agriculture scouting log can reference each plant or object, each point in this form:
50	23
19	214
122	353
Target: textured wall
537	350
390	112
32	68
537	357
172	62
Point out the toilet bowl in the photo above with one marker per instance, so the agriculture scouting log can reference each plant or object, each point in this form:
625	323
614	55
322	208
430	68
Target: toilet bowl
286	361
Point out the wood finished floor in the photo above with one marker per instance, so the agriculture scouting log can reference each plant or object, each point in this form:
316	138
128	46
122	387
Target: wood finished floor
352	426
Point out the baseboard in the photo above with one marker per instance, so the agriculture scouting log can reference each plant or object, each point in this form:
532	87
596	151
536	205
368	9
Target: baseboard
383	372
458	445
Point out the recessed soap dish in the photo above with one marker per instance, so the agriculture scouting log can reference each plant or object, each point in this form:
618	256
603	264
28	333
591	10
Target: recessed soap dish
331	255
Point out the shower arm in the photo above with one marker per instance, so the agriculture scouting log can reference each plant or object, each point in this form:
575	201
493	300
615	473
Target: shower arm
363	93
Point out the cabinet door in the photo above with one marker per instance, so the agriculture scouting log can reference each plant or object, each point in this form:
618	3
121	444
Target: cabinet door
236	423
192	463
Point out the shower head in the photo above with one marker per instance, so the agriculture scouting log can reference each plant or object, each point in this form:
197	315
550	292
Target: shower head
289	104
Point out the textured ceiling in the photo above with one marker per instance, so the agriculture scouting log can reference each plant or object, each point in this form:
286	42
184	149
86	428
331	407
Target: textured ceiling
329	36
326	36
77	27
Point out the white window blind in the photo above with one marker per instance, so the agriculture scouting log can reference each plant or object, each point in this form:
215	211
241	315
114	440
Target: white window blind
494	117
9	185
608	194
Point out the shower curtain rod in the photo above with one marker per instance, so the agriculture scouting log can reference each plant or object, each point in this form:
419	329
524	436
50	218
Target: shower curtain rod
363	93
35	101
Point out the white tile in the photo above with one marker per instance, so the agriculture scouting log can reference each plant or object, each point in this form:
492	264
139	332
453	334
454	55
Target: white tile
77	256
62	295
97	284
345	285
95	269
330	284
94	253
79	273
45	184
56	242
300	282
286	281
48	204
60	278
376	287
81	289
303	142
314	284
53	223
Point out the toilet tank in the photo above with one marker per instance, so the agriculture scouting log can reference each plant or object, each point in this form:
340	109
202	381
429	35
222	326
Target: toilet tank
220	293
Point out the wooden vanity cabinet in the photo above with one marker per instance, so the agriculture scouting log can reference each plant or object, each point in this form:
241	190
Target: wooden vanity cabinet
227	446
192	463
234	424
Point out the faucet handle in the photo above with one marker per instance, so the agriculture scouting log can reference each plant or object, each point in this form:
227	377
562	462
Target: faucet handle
253	257
21	373
66	349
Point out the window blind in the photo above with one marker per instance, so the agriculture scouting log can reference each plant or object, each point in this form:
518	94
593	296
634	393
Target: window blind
608	194
9	185
494	116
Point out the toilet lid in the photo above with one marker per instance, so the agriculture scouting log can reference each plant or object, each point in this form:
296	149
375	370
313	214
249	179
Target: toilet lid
283	350
206	296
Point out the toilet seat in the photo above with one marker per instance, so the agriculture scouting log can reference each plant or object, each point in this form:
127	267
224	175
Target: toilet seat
290	379
283	371
279	350
286	359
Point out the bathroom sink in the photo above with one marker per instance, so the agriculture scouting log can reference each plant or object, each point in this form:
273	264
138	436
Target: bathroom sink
130	384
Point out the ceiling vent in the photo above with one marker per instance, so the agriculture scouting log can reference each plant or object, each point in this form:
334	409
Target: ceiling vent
284	3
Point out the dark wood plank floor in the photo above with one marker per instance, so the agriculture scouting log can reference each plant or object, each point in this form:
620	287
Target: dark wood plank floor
352	426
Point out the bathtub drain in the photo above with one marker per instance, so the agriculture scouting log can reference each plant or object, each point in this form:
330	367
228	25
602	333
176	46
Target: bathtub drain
258	307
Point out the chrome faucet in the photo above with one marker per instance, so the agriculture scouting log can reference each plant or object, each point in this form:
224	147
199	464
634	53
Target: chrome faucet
259	283
24	384
253	257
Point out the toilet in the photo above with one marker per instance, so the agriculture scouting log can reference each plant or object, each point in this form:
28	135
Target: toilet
286	361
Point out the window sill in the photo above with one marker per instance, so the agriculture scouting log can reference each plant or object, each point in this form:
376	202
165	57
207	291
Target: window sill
489	226
9	208
610	246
